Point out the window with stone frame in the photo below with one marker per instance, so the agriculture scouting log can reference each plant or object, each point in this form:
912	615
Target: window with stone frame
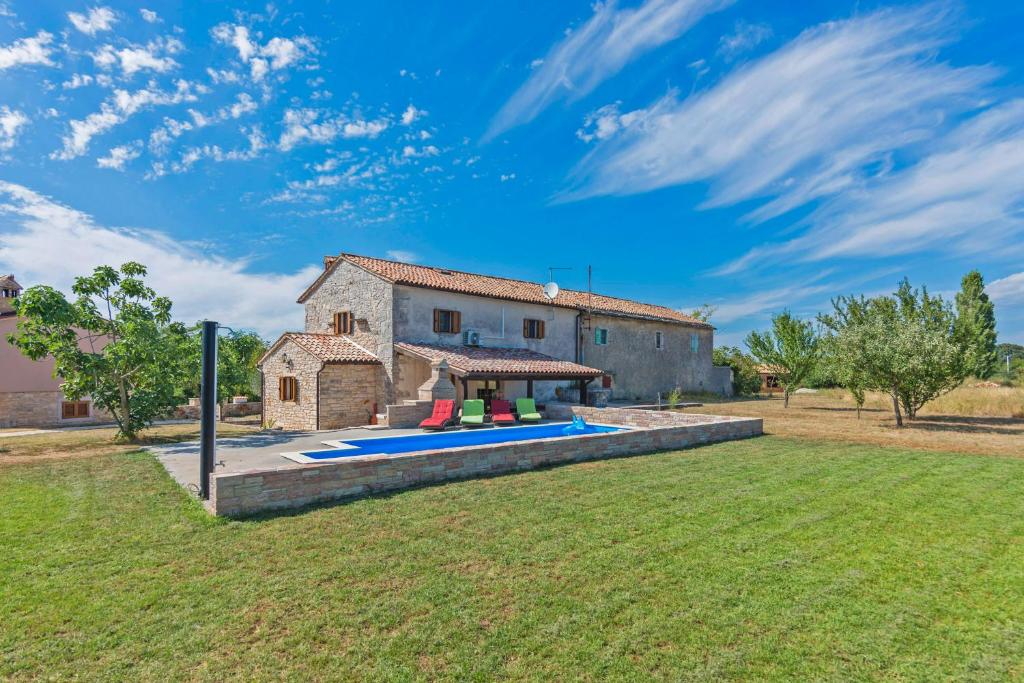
344	323
600	336
533	329
694	342
659	340
447	322
288	389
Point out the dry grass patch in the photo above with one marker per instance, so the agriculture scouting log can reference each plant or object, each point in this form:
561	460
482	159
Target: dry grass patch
88	442
981	421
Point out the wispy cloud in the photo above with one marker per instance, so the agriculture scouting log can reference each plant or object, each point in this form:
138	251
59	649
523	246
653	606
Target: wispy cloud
311	125
26	51
745	37
274	55
119	156
149	16
402	255
115	111
96	20
39	233
154	56
1008	290
963	196
805	122
12	122
597	50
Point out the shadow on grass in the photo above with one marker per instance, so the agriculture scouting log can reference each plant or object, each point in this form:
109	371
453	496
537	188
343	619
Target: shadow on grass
1006	426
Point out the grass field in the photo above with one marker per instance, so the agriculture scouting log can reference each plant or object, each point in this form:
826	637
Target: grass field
762	559
967	420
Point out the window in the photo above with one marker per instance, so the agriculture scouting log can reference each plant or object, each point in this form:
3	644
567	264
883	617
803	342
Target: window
344	323
73	409
288	389
659	340
600	336
694	342
606	382
533	329
447	322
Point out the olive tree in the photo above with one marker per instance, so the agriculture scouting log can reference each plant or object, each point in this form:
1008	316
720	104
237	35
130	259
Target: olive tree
790	348
115	342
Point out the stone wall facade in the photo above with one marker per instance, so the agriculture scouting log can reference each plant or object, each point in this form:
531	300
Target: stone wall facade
302	412
246	493
350	395
371	302
42	409
409	414
639	370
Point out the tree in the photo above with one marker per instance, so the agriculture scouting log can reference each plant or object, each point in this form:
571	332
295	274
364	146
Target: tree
903	345
745	377
115	342
703	313
790	349
237	355
976	325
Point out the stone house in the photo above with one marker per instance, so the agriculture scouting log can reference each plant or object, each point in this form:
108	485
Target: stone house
380	334
30	395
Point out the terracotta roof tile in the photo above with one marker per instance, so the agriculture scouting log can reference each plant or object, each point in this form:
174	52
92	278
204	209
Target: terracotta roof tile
329	348
481	360
503	288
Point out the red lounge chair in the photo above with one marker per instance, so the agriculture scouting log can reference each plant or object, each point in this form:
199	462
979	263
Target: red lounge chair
501	412
442	416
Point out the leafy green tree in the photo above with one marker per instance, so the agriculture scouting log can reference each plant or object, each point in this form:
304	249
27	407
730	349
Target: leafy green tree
237	355
745	377
115	343
904	345
790	348
976	325
703	312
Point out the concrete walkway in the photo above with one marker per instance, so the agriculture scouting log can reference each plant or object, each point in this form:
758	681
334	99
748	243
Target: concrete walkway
261	450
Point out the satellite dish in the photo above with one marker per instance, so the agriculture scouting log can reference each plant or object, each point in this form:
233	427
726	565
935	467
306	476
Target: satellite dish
551	290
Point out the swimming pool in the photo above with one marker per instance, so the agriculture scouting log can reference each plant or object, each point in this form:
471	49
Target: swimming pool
439	440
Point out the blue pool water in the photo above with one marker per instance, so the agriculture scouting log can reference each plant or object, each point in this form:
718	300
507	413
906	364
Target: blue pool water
466	437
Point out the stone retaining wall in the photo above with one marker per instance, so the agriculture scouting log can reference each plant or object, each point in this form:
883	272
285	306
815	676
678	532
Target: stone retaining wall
245	493
408	414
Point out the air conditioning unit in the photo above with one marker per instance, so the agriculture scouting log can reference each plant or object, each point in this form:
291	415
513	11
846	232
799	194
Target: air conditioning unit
471	338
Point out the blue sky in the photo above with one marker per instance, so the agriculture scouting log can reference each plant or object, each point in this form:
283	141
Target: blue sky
748	155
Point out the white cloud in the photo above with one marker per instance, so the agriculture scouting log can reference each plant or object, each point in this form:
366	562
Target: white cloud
219	76
39	233
963	196
115	111
410	152
402	255
35	50
77	81
411	114
98	19
149	16
505	177
11	123
744	38
308	125
606	121
596	51
276	54
135	58
119	156
804	122
1007	290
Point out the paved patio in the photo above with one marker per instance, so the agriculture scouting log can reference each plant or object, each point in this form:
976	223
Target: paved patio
261	450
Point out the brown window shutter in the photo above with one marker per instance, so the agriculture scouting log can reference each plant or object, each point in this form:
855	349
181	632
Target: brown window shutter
437	320
282	388
295	389
456	322
541	334
83	409
526	327
67	409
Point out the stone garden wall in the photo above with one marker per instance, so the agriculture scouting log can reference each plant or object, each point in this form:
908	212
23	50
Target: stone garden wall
246	493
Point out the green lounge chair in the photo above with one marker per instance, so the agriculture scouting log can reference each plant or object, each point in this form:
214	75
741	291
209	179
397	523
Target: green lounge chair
473	412
527	410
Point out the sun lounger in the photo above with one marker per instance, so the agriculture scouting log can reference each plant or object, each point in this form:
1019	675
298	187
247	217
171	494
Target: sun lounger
441	417
473	412
501	412
527	410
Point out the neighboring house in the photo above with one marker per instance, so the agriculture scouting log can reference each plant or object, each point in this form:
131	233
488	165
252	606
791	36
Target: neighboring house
29	394
375	327
769	379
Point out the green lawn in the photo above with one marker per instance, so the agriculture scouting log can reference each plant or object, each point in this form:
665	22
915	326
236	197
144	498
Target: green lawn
766	558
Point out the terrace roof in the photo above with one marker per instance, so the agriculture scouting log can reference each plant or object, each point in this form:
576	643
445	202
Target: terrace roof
477	362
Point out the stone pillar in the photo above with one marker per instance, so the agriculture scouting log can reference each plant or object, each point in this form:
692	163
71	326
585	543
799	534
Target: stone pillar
439	386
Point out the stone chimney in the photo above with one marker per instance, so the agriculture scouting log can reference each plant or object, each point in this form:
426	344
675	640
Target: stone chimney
9	291
439	385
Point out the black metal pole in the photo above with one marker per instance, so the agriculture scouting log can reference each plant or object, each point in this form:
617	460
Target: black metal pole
207	408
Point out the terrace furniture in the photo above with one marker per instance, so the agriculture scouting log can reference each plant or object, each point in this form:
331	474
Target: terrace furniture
501	412
473	412
444	410
527	410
